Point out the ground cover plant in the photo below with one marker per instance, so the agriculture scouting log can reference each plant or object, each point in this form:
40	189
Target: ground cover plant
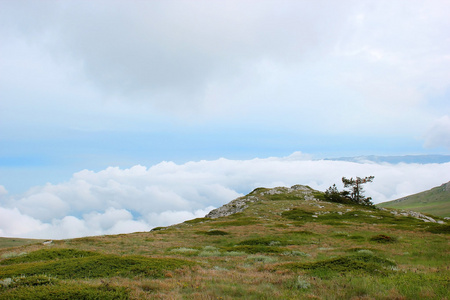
287	244
71	263
44	287
15	242
434	201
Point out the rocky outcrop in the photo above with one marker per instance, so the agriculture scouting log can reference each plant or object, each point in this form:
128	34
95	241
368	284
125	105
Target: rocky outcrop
303	192
241	203
235	206
413	214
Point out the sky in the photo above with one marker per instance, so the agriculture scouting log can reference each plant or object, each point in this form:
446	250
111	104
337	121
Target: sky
118	116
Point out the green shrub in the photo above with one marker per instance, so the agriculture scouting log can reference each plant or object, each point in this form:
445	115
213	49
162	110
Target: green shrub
445	229
48	254
357	238
258	190
34	280
382	238
94	266
319	195
297	214
66	291
361	262
158	228
214	232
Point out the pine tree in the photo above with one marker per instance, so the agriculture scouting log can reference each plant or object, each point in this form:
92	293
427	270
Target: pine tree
356	192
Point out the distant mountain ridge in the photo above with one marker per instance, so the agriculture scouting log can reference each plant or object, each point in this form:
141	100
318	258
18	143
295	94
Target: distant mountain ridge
418	159
435	201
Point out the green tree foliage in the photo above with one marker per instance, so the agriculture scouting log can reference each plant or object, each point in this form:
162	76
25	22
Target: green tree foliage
356	191
332	194
353	194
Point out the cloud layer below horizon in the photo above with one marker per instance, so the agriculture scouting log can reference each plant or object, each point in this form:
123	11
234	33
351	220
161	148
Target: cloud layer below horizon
118	200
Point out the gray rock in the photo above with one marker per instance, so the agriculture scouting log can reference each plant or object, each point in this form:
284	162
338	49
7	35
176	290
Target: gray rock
241	203
413	214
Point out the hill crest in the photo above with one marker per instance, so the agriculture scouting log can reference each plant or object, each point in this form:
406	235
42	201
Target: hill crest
435	201
241	203
306	195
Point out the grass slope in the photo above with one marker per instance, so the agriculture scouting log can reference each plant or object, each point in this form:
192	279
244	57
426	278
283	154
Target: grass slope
15	242
286	245
435	201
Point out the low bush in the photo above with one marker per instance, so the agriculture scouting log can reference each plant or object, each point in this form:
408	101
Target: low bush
214	232
361	262
66	291
95	265
48	254
369	215
34	280
297	214
158	228
445	229
382	238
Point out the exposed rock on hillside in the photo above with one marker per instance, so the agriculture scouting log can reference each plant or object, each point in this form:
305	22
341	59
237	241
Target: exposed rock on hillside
300	192
435	201
241	203
414	214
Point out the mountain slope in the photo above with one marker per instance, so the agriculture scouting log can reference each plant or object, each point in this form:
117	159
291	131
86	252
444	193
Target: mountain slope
409	159
15	242
435	201
280	243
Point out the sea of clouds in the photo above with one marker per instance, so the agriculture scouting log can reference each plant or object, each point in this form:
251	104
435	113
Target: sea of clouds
118	200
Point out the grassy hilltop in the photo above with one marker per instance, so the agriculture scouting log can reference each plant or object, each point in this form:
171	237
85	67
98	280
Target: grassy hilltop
435	201
283	243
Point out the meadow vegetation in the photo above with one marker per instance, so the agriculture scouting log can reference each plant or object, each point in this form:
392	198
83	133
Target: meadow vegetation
434	201
287	245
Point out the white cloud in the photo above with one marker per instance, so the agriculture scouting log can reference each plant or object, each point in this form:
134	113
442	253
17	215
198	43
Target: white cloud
125	200
43	206
173	217
290	60
15	224
439	133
